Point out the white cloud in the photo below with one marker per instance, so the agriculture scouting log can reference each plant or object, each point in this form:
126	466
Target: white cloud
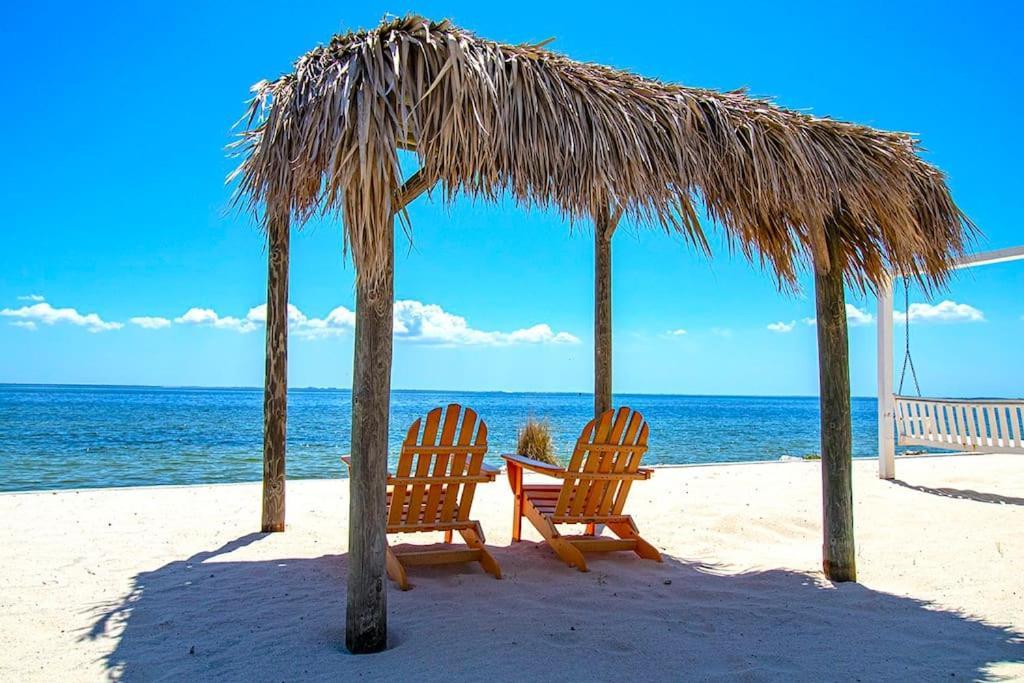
724	332
538	334
341	316
413	321
32	297
855	317
48	315
946	311
429	323
782	327
27	324
150	322
676	333
336	322
258	314
208	317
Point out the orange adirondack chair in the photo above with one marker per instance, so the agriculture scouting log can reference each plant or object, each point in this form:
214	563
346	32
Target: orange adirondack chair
594	488
433	487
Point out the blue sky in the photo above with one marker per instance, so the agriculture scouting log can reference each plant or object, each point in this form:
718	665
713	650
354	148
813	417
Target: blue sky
115	205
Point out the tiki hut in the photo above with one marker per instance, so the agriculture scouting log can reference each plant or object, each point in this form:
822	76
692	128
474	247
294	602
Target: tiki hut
787	189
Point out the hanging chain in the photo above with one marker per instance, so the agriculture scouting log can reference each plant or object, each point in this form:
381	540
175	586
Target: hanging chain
907	359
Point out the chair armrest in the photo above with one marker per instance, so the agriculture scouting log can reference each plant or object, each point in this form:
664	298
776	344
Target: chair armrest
489	471
347	459
533	465
646	471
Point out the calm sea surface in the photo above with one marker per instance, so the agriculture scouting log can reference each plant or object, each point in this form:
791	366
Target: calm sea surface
82	436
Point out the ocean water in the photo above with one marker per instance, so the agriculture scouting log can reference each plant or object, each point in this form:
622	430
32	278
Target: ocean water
54	437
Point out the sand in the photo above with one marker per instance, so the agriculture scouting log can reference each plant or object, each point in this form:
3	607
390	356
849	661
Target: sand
172	583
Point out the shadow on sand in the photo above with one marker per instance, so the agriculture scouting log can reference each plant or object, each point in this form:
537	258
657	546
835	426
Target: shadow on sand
962	494
283	619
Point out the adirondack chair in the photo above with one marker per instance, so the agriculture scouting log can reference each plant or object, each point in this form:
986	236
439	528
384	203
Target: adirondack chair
433	487
594	488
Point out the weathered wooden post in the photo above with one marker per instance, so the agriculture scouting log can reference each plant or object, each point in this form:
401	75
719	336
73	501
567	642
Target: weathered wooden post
366	616
366	629
602	311
605	222
275	385
839	561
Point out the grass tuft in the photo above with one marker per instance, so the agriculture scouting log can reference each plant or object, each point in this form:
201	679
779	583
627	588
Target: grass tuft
535	441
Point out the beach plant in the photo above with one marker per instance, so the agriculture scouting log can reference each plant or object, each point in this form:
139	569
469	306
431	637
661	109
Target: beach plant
534	441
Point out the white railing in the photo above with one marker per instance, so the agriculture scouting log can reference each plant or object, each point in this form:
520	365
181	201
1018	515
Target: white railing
980	425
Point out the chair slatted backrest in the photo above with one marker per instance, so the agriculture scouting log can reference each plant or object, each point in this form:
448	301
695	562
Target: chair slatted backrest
605	463
438	469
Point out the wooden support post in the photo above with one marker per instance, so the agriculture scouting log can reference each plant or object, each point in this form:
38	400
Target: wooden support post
604	228
275	386
366	616
886	403
839	561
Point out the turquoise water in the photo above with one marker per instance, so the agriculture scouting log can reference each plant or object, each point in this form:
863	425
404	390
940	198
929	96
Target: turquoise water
87	436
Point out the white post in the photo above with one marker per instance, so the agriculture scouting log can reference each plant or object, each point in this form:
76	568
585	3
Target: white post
886	402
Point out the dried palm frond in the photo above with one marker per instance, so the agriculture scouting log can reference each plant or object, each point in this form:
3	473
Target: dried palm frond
486	118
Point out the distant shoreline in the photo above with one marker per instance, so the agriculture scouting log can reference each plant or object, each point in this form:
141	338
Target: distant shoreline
190	387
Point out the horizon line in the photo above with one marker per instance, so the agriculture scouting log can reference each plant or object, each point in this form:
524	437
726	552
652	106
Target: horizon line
393	390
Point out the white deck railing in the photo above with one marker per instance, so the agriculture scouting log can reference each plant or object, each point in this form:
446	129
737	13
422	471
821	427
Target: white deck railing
990	426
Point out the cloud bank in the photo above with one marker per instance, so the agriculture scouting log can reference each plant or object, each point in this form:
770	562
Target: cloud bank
150	322
430	323
207	317
414	321
944	312
855	317
782	327
44	314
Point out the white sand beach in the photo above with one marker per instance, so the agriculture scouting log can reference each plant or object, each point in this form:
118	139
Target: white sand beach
173	583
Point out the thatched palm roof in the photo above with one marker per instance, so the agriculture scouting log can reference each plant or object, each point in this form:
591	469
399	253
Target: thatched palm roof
485	118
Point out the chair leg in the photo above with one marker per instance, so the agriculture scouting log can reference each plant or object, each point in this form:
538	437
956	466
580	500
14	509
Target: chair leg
448	536
515	478
517	519
591	530
568	553
628	530
395	569
473	540
565	550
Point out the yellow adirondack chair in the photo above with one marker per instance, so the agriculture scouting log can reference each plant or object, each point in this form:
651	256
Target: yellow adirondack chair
433	487
594	488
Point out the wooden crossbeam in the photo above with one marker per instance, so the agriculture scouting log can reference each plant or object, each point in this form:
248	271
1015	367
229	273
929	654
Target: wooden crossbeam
412	188
613	221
